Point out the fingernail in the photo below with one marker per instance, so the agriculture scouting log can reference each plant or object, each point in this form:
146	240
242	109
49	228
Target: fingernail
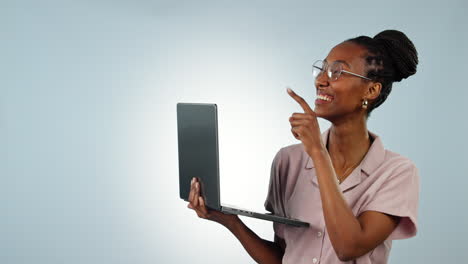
193	180
289	90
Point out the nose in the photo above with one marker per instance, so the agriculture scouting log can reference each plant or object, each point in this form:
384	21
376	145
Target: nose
322	80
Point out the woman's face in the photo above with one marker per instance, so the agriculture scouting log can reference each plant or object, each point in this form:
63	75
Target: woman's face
345	95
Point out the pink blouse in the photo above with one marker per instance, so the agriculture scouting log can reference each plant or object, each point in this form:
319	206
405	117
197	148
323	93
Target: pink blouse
384	181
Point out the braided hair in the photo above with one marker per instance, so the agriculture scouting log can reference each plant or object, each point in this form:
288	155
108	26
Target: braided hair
390	57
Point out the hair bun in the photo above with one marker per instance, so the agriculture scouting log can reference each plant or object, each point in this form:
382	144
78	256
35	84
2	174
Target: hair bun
401	51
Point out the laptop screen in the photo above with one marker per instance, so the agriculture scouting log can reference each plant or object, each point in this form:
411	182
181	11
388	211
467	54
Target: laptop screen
197	128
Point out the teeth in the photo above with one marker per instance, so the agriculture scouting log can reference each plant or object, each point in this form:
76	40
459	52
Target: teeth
324	97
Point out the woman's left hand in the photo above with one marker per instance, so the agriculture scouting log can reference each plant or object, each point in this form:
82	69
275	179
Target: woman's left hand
304	126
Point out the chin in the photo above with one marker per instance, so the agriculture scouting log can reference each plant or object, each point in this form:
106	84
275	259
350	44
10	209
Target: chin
318	111
324	115
320	114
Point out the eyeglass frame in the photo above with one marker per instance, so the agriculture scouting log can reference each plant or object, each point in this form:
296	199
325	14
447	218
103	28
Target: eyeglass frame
341	70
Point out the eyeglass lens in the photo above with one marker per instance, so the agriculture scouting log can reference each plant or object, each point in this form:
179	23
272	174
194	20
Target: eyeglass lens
333	70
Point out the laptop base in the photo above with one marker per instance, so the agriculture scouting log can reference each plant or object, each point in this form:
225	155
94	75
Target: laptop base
268	217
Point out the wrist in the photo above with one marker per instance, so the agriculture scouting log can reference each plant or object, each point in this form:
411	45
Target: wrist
231	222
317	151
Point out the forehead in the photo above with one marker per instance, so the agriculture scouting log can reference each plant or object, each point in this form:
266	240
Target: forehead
353	54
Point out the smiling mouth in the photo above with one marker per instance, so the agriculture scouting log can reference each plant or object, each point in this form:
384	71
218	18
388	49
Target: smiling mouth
324	97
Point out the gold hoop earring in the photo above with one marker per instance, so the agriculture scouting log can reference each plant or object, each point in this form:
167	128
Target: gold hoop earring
365	103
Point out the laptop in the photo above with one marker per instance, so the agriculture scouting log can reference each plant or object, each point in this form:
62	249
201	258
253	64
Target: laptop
197	129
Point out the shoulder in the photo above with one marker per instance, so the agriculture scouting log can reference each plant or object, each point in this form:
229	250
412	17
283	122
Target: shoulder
294	149
290	161
398	161
381	161
399	166
291	154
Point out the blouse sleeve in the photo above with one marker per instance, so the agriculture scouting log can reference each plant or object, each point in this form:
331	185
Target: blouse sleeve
274	202
399	196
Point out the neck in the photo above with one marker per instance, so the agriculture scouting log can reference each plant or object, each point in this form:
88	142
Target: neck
348	143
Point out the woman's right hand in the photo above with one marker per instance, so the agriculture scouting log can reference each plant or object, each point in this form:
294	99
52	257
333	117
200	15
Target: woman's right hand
197	203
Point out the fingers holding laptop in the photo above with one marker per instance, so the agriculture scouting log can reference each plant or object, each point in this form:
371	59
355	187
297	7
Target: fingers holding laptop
197	203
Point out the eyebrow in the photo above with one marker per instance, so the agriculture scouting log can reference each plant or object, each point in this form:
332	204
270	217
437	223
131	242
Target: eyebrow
342	61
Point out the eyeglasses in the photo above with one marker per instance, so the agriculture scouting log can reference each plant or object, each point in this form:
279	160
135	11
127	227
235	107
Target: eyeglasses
333	71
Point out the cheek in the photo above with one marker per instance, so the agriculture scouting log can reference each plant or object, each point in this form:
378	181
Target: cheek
348	98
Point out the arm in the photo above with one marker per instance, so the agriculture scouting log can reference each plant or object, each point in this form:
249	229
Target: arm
350	236
262	251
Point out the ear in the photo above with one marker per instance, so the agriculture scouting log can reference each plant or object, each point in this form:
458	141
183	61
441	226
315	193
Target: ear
373	91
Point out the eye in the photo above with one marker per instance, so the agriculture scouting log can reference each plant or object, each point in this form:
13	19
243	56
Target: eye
336	69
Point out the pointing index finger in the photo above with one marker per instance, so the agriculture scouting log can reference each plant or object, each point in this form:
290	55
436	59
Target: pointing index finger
301	101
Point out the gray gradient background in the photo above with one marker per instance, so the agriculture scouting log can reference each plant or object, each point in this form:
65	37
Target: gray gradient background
89	165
